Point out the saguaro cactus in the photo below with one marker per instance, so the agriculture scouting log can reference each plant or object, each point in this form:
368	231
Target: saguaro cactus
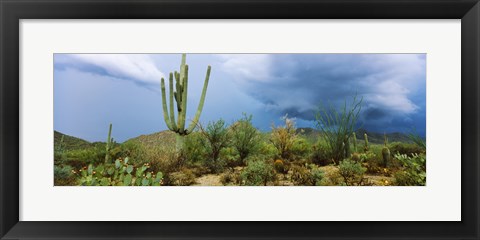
365	148
109	144
180	96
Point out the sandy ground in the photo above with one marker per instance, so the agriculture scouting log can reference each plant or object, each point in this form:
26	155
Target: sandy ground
208	180
283	180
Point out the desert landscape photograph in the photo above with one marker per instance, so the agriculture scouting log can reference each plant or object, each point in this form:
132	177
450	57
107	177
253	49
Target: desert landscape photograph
271	120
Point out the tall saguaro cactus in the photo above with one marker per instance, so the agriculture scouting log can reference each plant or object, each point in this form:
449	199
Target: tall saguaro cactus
109	144
180	96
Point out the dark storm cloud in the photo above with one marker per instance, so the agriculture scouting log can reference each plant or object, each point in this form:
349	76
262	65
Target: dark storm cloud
392	85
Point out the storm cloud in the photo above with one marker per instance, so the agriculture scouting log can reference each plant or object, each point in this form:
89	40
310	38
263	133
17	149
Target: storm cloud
392	85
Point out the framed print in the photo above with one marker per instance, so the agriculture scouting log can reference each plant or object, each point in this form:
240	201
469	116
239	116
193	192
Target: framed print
241	120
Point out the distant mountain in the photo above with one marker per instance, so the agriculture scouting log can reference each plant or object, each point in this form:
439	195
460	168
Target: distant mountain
151	140
70	142
373	137
168	138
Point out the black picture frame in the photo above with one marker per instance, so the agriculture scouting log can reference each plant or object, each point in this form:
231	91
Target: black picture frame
12	11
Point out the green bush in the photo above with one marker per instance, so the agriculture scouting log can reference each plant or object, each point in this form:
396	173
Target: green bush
216	138
351	172
81	157
321	154
284	138
405	148
194	148
309	175
245	137
267	150
257	173
64	176
231	157
301	148
413	172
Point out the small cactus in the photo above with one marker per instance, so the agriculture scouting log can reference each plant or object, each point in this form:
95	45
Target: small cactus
365	148
109	144
354	141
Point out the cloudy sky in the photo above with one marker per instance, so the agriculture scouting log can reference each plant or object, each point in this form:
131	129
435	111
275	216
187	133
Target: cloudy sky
93	90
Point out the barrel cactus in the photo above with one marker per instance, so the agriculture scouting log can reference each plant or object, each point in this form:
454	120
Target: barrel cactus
180	96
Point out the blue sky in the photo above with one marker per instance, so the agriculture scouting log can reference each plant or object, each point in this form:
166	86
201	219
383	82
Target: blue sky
93	90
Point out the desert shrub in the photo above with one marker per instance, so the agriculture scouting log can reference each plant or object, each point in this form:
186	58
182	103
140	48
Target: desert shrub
59	157
413	172
267	150
245	137
194	148
120	173
405	148
301	148
369	160
64	176
257	173
230	178
81	157
133	150
164	159
284	137
317	175
418	140
185	177
230	157
321	154
352	172
309	175
216	138
337	126
331	177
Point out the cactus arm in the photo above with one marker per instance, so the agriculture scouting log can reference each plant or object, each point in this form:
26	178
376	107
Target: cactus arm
193	124
177	94
172	113
181	127
164	105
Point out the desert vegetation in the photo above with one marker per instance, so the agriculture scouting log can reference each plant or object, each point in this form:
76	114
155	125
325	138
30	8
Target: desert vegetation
238	154
337	152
